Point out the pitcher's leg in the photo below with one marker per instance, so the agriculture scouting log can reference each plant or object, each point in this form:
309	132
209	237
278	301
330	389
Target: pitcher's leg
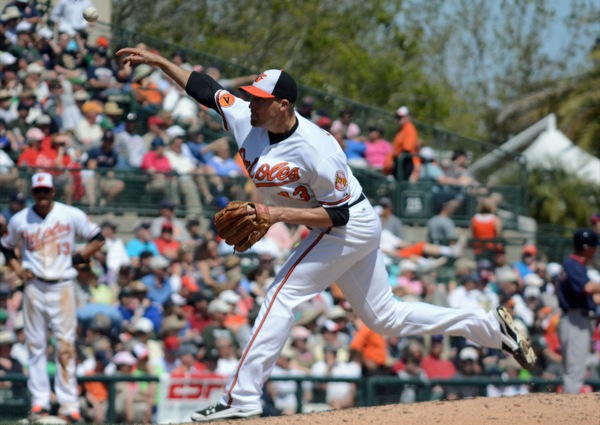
298	281
63	322
36	334
366	288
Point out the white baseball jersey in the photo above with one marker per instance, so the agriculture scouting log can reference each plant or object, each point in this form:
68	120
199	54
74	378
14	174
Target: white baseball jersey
48	243
306	170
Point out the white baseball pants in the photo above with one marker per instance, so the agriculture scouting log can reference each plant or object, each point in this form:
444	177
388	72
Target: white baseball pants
51	307
349	256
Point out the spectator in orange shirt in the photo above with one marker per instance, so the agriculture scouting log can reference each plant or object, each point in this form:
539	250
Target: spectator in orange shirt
94	399
145	90
406	141
373	349
485	225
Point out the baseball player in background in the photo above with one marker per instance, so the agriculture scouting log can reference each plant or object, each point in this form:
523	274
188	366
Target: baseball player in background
576	288
45	235
301	171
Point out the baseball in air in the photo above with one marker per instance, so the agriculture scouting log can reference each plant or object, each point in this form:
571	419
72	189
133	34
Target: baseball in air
90	14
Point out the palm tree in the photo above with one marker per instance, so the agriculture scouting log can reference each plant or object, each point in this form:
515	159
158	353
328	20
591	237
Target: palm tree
574	99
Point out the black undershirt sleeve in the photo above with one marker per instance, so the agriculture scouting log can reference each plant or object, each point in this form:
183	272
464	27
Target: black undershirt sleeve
97	237
203	88
9	254
339	215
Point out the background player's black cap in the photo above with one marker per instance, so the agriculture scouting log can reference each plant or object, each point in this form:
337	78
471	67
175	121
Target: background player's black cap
583	238
273	83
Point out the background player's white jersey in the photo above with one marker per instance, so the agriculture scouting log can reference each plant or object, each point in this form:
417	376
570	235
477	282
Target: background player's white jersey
305	170
49	243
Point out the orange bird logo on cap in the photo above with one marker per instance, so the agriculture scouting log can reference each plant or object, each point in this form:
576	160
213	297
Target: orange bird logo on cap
260	77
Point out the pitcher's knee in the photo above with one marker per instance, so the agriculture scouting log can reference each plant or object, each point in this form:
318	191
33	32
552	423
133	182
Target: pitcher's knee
386	326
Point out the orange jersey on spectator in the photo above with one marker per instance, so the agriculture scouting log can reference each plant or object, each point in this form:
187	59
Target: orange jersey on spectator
149	94
99	390
406	140
370	344
483	226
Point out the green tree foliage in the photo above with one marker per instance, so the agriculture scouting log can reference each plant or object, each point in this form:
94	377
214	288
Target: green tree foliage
575	99
558	197
474	67
350	48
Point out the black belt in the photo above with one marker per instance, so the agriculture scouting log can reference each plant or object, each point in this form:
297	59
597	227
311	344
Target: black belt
582	311
361	198
48	280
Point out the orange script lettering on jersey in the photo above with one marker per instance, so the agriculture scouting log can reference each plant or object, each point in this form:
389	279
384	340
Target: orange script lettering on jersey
276	175
36	240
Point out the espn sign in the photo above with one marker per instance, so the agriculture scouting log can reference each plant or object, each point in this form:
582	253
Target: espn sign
182	395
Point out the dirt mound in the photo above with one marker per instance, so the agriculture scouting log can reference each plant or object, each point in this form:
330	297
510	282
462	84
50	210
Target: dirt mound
546	409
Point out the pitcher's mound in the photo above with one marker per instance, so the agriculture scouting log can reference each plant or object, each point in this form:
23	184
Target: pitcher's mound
544	409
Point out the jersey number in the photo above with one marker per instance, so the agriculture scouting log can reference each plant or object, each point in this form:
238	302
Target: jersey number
63	248
301	192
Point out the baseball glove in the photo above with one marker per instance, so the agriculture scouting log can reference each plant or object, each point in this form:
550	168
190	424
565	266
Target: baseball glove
236	227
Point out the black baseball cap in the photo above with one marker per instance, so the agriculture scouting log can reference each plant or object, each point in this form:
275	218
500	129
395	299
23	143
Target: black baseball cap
273	83
583	238
18	198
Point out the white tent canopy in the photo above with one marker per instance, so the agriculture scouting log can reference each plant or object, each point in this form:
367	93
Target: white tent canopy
544	145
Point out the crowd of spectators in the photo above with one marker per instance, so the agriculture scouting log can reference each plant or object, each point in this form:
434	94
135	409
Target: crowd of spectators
67	105
170	297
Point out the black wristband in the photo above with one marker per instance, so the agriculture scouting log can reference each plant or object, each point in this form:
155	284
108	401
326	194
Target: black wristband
77	259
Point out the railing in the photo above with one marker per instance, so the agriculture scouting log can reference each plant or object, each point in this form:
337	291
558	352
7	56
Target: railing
415	203
368	389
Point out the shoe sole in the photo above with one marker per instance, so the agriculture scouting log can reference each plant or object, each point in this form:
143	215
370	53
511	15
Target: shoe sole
522	352
226	414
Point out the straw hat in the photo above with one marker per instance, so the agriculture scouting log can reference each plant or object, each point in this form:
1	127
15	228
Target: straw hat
112	108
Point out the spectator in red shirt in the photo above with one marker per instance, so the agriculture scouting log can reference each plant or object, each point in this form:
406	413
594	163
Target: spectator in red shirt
434	365
157	165
28	157
165	243
197	312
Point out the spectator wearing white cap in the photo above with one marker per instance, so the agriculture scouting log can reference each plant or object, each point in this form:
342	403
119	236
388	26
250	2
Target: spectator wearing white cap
7	114
35	82
27	10
408	286
431	172
19	348
468	366
158	282
218	310
403	159
11	16
130	145
187	173
23	48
